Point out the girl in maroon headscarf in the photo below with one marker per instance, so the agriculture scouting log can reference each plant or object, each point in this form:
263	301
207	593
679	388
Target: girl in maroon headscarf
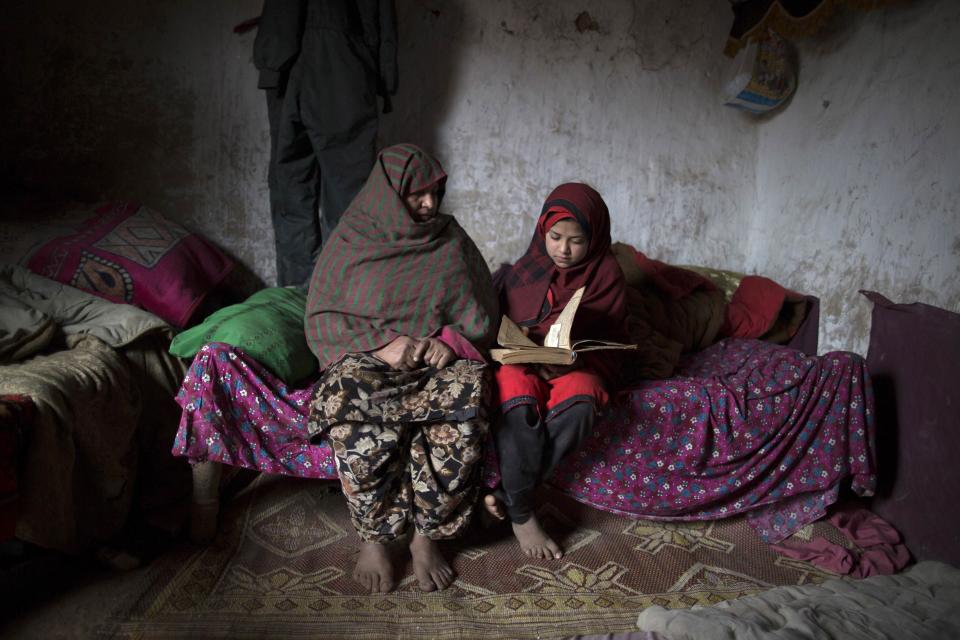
549	410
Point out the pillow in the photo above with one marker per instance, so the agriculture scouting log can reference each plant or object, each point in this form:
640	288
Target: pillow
914	363
268	326
130	254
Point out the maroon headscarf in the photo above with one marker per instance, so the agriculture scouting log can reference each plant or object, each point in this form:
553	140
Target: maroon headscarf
602	313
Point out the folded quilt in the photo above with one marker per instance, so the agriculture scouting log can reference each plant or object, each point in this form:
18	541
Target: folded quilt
31	305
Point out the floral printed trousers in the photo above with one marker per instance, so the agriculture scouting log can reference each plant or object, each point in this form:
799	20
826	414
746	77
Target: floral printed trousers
408	444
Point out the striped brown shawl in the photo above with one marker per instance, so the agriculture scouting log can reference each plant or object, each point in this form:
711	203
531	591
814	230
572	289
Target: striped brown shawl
382	274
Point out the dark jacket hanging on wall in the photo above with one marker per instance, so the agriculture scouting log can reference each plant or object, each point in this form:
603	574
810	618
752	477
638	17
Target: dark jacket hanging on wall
322	64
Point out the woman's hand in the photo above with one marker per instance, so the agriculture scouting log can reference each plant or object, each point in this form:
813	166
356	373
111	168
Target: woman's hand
435	352
401	353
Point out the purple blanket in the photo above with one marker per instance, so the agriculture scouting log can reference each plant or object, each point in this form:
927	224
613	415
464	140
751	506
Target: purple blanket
745	426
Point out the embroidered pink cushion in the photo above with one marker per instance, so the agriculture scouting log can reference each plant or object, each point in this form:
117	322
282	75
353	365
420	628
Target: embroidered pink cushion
127	253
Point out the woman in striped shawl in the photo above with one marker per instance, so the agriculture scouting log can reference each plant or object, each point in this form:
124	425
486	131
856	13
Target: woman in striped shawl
400	302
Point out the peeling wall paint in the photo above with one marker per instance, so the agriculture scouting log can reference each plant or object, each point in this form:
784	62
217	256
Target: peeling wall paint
517	97
849	187
858	180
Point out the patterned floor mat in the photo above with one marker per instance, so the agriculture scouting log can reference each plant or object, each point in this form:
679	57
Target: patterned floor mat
281	565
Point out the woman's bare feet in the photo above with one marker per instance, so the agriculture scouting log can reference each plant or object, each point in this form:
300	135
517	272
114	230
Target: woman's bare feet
493	506
535	542
431	569
373	569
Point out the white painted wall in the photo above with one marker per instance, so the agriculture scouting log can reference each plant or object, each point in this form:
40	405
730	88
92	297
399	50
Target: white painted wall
515	99
858	180
158	102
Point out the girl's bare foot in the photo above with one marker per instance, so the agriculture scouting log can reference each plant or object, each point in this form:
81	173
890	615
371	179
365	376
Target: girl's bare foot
493	506
431	569
535	542
373	569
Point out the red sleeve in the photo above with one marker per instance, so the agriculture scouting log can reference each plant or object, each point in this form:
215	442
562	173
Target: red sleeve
460	345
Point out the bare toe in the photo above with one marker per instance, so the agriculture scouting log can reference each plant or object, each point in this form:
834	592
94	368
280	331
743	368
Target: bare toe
493	506
534	541
373	569
443	578
553	550
429	565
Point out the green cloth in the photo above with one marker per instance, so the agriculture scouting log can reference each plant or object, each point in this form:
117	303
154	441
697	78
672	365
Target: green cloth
268	326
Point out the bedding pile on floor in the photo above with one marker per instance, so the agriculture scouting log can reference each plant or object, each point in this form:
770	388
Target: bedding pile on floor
921	602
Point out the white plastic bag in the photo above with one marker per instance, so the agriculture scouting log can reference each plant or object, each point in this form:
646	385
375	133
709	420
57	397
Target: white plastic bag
763	75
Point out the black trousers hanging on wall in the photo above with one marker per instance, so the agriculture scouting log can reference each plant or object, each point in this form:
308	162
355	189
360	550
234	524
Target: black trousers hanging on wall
322	64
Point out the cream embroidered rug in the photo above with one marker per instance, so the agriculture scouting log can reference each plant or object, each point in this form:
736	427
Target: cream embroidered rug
280	567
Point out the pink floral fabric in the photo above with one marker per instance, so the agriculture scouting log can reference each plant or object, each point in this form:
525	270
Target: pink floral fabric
237	413
743	427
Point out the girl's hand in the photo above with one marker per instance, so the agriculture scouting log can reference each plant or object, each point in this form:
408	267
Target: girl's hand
401	353
435	352
551	371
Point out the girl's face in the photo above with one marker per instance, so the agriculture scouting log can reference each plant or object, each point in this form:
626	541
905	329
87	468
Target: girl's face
423	204
567	243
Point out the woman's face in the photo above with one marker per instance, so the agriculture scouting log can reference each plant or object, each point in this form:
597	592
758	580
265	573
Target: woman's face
567	243
423	204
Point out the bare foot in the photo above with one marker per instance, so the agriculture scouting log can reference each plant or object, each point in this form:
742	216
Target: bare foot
535	542
431	569
373	569
494	506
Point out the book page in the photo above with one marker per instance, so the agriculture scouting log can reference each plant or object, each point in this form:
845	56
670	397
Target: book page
559	333
536	355
512	337
596	345
585	345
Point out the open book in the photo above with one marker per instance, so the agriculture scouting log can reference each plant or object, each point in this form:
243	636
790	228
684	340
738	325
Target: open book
557	348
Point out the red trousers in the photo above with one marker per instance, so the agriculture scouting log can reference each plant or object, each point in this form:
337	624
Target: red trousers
521	384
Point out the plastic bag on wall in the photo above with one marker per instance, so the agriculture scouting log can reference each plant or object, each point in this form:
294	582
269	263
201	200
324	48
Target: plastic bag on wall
764	76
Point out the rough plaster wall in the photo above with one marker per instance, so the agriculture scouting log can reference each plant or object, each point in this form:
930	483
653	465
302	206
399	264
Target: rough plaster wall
155	102
858	180
517	97
158	102
852	186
